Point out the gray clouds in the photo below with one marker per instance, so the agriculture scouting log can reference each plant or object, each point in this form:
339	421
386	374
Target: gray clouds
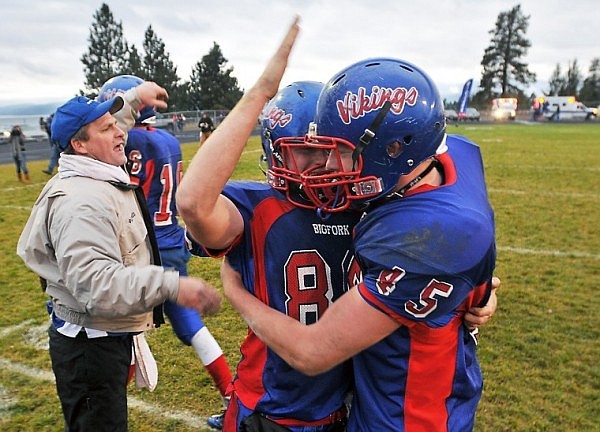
43	40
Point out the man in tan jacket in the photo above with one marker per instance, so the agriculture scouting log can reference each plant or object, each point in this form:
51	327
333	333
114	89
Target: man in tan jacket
89	240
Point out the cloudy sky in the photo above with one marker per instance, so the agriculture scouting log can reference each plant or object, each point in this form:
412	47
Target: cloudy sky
43	40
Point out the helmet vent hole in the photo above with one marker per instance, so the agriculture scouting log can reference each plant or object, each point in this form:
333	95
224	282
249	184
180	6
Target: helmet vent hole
407	139
394	149
338	79
406	68
301	93
437	126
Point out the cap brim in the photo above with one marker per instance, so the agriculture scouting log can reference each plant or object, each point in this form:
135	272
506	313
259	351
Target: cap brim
117	105
110	106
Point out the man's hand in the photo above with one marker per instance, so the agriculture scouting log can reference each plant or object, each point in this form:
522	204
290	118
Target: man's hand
478	316
151	94
268	83
198	294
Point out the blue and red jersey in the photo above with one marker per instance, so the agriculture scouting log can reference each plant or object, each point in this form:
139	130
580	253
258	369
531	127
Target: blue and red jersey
155	164
425	258
297	263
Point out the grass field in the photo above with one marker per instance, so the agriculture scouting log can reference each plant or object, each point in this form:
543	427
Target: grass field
540	354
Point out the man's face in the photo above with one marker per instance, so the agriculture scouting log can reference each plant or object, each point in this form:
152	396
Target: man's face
309	158
106	141
340	159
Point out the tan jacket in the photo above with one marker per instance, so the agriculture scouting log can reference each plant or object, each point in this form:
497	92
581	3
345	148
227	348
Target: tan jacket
87	238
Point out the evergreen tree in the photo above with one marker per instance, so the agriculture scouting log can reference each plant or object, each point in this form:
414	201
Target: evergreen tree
134	65
159	68
590	91
572	81
107	52
556	82
211	84
503	67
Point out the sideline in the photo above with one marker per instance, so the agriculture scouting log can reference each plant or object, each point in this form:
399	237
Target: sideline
183	416
190	419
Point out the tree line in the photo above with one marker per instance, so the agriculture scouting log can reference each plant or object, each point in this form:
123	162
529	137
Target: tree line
211	85
505	72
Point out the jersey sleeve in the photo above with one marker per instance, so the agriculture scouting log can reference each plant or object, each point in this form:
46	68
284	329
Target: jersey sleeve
424	272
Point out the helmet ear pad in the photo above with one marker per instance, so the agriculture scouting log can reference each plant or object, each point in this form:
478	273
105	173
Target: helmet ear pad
353	106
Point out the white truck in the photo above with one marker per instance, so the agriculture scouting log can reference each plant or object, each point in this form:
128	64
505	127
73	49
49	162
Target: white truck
557	108
504	108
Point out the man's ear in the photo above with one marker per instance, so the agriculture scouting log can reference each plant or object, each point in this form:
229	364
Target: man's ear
78	146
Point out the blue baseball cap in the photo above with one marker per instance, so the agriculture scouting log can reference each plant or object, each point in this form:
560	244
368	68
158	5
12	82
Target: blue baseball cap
78	112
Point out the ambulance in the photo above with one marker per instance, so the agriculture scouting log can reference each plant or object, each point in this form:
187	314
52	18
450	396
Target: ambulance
504	108
555	108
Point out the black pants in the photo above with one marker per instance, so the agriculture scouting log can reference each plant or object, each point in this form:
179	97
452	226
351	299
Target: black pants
91	380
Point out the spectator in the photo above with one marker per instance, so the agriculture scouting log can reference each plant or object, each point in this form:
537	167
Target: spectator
54	149
17	141
90	240
181	121
206	126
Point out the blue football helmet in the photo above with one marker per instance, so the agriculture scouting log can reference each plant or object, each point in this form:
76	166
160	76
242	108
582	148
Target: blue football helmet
284	122
386	112
120	84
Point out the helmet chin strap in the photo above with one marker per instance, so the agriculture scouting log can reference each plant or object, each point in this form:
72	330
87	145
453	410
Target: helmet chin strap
400	192
369	133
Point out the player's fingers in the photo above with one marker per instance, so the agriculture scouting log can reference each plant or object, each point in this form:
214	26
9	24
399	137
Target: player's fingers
271	76
495	282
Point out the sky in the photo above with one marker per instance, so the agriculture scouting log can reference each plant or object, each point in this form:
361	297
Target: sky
42	41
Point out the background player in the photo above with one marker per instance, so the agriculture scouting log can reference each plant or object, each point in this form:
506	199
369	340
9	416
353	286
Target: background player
155	164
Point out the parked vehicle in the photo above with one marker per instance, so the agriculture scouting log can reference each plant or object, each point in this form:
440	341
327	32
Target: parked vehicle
504	108
471	114
163	122
451	115
556	108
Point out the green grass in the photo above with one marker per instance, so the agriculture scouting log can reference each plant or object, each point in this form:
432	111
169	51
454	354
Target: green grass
539	354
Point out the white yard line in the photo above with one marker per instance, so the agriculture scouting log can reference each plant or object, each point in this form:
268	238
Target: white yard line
524	251
546	193
190	419
183	416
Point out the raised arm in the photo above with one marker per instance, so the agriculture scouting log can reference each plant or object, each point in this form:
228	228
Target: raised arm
147	93
212	219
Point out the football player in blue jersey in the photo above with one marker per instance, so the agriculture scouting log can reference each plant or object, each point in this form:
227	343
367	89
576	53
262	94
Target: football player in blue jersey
273	242
292	258
155	164
425	245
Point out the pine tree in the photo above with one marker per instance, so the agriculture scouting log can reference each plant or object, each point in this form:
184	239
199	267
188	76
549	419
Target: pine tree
134	64
503	67
107	53
211	84
556	82
159	68
590	91
572	81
